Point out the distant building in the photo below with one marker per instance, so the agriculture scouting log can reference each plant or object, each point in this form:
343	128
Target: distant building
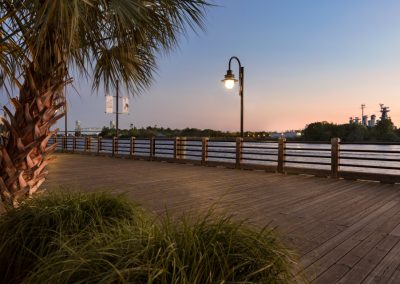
292	134
112	124
91	131
78	128
286	134
365	120
373	120
276	135
77	125
384	112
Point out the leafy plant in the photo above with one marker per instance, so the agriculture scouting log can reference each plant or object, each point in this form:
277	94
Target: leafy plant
99	238
208	249
36	228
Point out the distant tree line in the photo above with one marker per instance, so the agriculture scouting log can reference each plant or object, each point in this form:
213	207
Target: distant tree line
168	132
324	131
317	131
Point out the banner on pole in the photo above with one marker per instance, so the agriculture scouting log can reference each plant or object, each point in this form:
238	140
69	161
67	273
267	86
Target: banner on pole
125	105
109	104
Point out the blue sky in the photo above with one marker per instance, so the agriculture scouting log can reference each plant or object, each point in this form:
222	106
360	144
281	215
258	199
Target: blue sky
304	60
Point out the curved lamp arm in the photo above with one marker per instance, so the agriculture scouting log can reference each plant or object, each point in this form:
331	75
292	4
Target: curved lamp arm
237	59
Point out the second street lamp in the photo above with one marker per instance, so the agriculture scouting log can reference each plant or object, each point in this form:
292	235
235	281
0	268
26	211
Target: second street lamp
229	81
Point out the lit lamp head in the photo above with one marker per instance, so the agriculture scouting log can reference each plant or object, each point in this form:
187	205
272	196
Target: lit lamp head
229	79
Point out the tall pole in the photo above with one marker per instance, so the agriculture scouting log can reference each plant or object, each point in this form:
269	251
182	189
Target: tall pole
65	117
241	79
117	110
362	110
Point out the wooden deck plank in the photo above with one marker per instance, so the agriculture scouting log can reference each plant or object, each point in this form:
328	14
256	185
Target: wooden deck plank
332	243
396	231
386	268
394	279
320	212
358	273
344	252
350	258
342	229
375	235
326	235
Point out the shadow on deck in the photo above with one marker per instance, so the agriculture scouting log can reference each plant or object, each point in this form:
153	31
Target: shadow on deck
344	231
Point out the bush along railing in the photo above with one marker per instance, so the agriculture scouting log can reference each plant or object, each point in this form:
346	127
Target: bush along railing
336	159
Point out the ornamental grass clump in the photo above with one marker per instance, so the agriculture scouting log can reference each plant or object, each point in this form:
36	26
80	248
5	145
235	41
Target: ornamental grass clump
208	249
38	227
100	238
217	249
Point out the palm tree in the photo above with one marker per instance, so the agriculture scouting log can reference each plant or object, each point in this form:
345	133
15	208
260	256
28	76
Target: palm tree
42	41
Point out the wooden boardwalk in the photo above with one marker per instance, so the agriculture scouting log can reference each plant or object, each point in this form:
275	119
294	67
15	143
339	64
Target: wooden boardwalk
344	231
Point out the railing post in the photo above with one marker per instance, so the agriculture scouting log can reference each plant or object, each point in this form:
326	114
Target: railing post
239	155
335	148
281	154
152	148
85	147
132	147
204	150
176	146
116	145
55	139
63	143
89	144
182	148
73	144
113	146
98	145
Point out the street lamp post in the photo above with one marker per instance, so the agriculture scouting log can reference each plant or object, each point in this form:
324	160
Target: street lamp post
230	81
117	111
110	107
65	118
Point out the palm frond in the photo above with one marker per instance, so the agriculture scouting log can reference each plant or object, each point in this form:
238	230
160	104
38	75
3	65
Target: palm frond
116	39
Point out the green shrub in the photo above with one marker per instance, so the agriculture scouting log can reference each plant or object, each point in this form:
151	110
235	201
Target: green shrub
99	238
210	249
37	227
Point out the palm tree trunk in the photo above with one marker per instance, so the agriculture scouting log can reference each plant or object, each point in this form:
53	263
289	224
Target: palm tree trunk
25	154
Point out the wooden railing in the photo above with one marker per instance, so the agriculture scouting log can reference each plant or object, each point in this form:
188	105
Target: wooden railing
370	161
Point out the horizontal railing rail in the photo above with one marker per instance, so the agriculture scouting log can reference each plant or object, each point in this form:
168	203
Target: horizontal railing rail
371	161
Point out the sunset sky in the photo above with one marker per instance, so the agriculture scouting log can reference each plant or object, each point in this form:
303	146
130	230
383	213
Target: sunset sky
304	60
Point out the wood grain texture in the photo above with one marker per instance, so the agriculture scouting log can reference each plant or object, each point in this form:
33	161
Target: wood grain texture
344	231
